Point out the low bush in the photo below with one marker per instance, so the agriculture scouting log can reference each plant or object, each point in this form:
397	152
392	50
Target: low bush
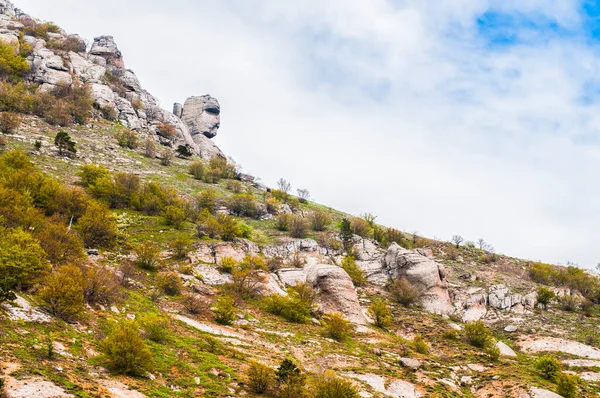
549	366
169	283
156	328
381	313
147	256
298	227
320	220
272	205
10	122
181	247
196	169
224	310
126	351
227	264
167	130
101	286
336	327
569	303
126	138
293	308
545	296
207	200
62	293
420	345
97	226
244	205
109	112
283	221
567	385
328	385
477	334
166	156
287	369
260	377
193	303
150	148
353	270
174	216
361	227
248	276
492	350
404	292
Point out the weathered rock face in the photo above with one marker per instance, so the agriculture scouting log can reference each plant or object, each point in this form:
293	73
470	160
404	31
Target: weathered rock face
424	273
336	291
112	85
202	115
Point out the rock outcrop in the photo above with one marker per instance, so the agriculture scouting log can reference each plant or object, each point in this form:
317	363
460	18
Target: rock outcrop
114	88
424	273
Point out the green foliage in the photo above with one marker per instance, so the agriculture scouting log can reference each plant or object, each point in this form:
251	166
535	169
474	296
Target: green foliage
345	228
492	350
12	65
147	255
126	351
90	174
569	302
356	274
207	200
175	216
244	205
260	377
283	221
22	260
10	122
181	246
220	226
295	307
477	334
228	264
287	369
40	30
64	143
97	226
328	385
248	276
156	328
224	310
381	313
125	138
101	286
61	246
420	345
567	385
549	366
545	296
184	151
320	220
62	293
196	169
361	227
336	327
298	227
169	283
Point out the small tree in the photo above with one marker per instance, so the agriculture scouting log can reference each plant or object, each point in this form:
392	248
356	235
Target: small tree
319	220
62	293
477	334
126	351
284	186
303	195
457	240
9	122
567	385
353	270
260	377
224	310
545	296
481	243
381	313
184	151
298	227
549	366
287	369
346	234
336	327
65	144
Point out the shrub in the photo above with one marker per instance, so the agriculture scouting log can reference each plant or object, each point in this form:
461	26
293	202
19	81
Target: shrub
97	226
126	351
228	264
381	313
155	327
291	308
64	143
284	221
166	157
293	388
567	385
569	302
10	122
147	256
181	246
477	334
196	169
272	205
260	377
207	200
150	148
328	385
62	293
90	174
244	205
248	276
320	220
101	286
169	283
22	260
545	296
193	303
548	365
420	345
127	138
287	369
109	112
12	65
224	310
353	270
298	227
175	216
166	130
404	292
492	350
336	327
184	151
542	273
360	227
61	246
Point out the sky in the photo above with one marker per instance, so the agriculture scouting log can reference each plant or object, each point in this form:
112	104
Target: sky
471	117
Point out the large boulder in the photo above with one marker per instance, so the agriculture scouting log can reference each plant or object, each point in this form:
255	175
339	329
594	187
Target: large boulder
202	116
424	273
7	8
105	47
336	291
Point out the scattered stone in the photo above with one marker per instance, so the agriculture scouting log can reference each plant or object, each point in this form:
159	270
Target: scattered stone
505	350
541	393
511	328
410	363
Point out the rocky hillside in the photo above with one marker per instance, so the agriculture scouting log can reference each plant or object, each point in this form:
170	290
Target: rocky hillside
137	261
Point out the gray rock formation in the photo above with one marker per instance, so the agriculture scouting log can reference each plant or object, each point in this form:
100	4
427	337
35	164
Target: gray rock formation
202	116
424	273
7	8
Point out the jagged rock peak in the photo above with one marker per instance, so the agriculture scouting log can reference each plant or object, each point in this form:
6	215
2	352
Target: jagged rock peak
105	47
7	8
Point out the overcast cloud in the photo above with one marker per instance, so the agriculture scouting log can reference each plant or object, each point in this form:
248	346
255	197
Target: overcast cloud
471	117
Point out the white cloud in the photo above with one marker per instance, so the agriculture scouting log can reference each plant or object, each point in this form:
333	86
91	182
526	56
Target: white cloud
399	109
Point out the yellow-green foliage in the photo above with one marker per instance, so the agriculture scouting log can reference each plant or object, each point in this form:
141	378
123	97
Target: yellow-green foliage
169	283
420	345
126	351
62	292
228	264
320	220
155	327
97	226
248	275
477	334
328	385
224	310
349	265
545	296
567	385
243	204
284	221
181	246
403	292
336	327
11	63
549	366
221	226
381	313
207	200
147	255
196	169
260	377
295	307
22	259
